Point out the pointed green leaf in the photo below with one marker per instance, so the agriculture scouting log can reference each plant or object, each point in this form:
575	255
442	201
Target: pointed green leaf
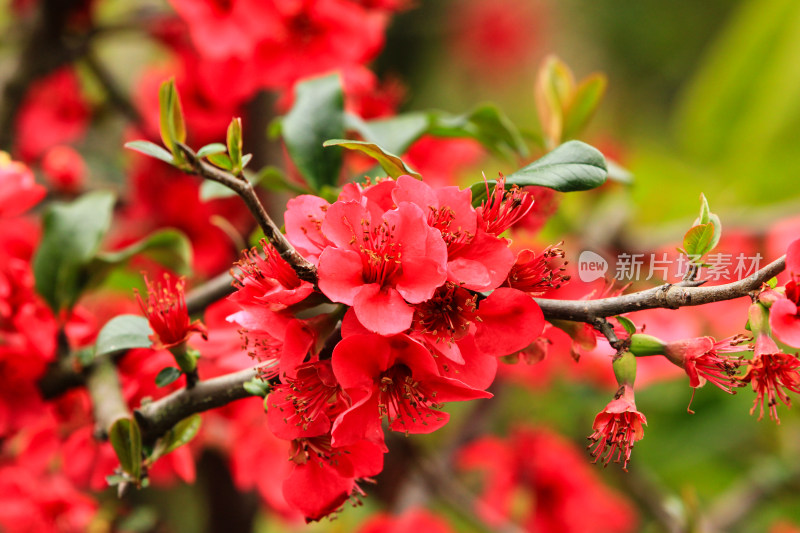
583	105
126	439
221	160
627	323
72	235
173	127
234	140
393	165
150	149
316	116
182	433
123	332
573	166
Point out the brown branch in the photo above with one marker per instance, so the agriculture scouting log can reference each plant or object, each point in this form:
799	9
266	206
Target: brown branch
115	94
209	292
305	270
160	416
665	296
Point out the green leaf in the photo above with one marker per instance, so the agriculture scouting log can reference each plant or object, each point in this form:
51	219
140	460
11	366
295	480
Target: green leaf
123	332
209	149
150	149
316	116
167	375
486	124
395	134
221	160
72	236
234	140
573	166
168	247
126	439
173	127
698	240
707	216
182	433
583	104
393	165
627	323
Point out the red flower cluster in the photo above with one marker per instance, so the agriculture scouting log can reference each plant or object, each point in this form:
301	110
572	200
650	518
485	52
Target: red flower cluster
406	263
562	494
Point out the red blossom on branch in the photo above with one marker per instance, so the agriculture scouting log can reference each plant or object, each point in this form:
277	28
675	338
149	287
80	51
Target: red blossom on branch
166	313
771	373
617	428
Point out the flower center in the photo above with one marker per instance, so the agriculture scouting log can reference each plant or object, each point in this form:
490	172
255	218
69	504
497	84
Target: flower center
448	314
401	398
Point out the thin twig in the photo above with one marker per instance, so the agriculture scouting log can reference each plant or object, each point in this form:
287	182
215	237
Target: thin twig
665	296
114	93
305	270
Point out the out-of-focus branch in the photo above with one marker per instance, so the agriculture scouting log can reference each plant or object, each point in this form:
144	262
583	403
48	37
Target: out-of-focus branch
158	417
665	296
108	405
115	94
46	48
209	292
305	270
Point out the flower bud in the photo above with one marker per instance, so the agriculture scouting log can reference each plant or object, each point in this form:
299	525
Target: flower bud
625	369
643	345
758	319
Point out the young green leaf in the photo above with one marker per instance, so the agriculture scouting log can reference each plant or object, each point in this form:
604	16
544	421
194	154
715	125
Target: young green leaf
222	161
316	116
486	124
150	149
123	332
393	165
698	240
234	140
182	433
172	124
168	247
72	235
583	104
627	323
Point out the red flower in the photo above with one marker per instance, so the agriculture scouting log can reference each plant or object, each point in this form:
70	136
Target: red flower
784	314
379	264
617	428
54	112
18	188
166	312
325	476
268	281
538	479
701	359
64	168
538	274
476	259
503	208
399	381
770	372
305	406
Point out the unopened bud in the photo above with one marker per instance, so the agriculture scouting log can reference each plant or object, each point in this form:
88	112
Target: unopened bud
758	319
625	368
643	345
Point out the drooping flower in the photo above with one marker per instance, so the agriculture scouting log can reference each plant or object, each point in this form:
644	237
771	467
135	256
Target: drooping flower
617	428
325	475
703	361
771	373
399	381
380	265
166	313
